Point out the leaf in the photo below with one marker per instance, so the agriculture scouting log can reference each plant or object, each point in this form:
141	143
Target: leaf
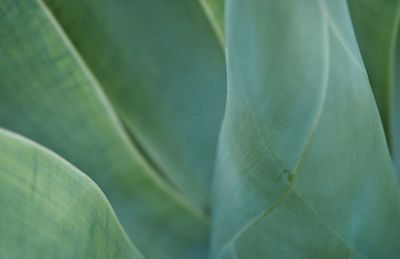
303	169
161	66
377	38
49	95
52	210
215	11
396	108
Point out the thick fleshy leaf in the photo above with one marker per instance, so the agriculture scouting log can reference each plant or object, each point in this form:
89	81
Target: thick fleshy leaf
215	11
376	26
396	109
48	94
303	169
49	209
163	69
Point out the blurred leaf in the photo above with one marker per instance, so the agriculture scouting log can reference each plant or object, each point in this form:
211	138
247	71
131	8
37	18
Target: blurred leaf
303	168
49	209
160	63
396	108
215	11
376	25
48	94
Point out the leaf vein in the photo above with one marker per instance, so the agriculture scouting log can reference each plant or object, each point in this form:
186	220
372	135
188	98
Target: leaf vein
281	198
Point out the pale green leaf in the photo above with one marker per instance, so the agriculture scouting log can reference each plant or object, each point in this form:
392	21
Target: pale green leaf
49	209
162	67
48	94
303	169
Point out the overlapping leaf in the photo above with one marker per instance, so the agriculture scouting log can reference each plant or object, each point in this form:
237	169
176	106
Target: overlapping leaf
303	167
376	24
160	64
48	94
376	38
49	209
215	10
303	170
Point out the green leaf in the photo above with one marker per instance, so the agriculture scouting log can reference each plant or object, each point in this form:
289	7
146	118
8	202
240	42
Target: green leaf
162	67
49	209
48	94
215	11
303	169
396	109
377	39
376	24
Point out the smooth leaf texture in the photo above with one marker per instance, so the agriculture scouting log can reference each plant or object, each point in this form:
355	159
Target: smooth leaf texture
396	109
215	10
48	94
303	168
163	69
376	24
49	209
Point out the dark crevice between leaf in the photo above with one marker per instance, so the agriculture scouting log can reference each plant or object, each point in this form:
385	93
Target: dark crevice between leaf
146	156
205	212
131	136
133	139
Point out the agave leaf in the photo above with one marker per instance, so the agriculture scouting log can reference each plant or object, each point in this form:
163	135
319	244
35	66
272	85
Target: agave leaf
161	66
396	109
377	39
376	24
303	168
49	95
215	12
52	210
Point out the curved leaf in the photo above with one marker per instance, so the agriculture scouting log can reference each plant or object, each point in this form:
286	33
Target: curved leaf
49	209
303	167
376	24
160	63
215	11
377	38
48	94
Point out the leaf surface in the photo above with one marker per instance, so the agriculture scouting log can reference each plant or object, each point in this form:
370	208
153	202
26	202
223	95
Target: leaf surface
52	210
377	38
396	109
215	11
303	169
48	94
162	67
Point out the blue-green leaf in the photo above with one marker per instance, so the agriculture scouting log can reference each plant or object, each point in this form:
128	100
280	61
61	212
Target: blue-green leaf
303	167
